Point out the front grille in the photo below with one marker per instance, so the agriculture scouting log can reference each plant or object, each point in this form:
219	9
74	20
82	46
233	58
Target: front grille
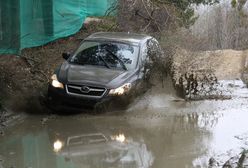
86	91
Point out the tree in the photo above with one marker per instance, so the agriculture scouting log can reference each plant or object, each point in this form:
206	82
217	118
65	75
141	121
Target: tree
223	26
239	4
185	9
157	15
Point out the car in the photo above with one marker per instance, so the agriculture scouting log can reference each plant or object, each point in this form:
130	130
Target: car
106	67
99	150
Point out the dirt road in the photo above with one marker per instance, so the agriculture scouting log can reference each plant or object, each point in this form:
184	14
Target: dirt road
158	130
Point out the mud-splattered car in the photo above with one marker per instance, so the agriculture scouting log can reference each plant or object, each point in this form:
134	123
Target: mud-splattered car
105	67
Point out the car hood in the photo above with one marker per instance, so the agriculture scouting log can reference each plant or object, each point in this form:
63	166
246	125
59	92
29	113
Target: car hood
87	74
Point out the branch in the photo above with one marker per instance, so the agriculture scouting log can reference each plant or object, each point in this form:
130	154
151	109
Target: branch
151	16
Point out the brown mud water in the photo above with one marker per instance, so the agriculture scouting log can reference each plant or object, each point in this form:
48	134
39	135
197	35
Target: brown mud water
157	130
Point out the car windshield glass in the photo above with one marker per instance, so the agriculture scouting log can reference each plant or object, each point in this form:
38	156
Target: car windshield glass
107	54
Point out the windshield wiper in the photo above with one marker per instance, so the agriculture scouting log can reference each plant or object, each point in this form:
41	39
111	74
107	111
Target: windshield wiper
105	63
117	58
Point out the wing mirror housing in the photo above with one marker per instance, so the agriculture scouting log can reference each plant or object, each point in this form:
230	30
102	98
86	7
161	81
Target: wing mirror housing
66	55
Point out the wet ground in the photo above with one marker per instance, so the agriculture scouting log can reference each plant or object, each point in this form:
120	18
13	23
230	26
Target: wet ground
159	130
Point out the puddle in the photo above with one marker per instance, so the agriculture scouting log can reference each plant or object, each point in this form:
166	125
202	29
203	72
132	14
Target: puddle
159	130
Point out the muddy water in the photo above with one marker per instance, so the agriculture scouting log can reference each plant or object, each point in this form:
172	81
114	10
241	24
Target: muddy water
158	130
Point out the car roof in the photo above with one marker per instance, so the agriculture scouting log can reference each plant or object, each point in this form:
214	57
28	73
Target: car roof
125	37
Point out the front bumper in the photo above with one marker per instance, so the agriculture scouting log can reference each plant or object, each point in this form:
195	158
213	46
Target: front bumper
59	99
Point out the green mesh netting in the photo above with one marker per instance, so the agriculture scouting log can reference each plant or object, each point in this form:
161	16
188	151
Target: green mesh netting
30	23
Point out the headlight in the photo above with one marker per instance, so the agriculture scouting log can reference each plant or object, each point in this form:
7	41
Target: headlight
57	146
56	83
120	90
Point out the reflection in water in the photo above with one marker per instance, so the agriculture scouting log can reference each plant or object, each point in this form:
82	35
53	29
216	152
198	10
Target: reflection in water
73	144
191	121
108	141
96	150
120	138
224	143
57	145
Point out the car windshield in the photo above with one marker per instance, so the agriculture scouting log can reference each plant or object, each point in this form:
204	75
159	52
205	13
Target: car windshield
111	55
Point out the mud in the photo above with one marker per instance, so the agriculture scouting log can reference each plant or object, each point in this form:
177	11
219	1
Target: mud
157	130
195	74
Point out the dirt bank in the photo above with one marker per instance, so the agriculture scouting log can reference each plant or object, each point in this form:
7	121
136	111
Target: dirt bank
194	71
226	64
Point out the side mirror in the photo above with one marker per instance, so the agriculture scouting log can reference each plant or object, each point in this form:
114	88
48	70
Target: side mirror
66	55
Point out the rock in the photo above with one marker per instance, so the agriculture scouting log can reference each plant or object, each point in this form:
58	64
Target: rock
1	161
44	120
212	163
1	133
242	159
245	78
231	163
12	153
